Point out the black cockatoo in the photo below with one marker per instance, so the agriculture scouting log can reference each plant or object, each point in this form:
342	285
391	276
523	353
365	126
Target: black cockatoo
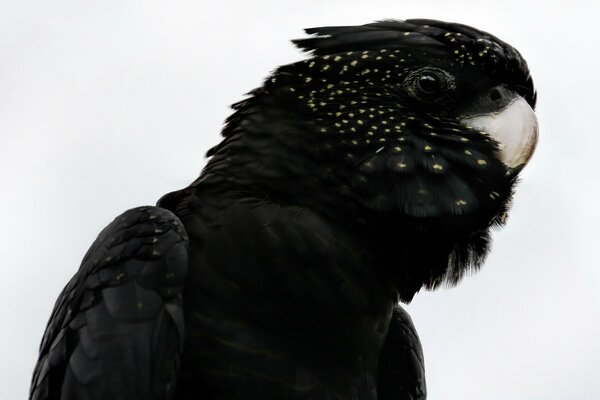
344	184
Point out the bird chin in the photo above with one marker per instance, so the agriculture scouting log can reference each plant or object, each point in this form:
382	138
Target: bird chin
515	171
514	127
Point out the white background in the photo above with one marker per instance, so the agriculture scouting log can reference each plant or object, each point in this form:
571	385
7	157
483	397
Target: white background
107	105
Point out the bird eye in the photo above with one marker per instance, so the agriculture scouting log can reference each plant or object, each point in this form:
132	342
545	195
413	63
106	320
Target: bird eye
427	82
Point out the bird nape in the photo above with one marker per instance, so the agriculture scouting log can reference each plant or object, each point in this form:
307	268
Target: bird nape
347	182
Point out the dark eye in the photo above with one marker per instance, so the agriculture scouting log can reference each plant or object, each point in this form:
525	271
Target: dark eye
429	83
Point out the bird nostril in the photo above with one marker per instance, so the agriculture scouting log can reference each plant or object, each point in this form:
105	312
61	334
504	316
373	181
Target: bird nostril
495	94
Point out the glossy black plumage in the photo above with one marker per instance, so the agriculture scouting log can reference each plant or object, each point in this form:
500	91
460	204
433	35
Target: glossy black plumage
116	331
345	183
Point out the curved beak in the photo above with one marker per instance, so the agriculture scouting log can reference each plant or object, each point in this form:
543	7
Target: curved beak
513	125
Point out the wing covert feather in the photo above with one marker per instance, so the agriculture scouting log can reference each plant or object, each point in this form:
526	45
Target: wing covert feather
401	373
116	331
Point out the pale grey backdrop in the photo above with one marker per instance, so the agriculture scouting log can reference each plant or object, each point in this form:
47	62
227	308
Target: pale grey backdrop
106	105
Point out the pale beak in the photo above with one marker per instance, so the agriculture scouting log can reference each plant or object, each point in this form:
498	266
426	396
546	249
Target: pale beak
514	127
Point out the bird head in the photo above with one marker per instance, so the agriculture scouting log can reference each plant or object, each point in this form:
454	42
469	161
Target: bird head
421	124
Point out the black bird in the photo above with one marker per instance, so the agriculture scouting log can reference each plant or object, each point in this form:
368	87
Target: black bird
343	185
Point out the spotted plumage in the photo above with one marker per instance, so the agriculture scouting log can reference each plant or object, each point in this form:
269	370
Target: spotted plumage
346	182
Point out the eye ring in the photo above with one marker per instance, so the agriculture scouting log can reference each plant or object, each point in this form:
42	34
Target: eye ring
428	82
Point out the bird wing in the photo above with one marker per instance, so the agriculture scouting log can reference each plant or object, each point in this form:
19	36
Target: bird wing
116	331
401	373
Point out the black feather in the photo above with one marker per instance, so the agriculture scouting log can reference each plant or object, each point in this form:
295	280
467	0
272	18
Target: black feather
341	186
